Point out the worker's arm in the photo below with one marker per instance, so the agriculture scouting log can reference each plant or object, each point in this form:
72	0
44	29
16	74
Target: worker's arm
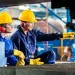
14	56
14	61
11	59
46	37
16	42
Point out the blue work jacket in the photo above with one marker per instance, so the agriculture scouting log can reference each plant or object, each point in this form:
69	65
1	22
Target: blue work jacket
11	59
27	43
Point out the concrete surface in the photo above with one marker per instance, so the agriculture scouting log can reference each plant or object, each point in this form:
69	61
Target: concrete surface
56	69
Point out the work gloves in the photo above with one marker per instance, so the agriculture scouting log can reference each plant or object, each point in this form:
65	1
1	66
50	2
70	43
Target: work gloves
21	56
36	61
21	62
65	35
68	35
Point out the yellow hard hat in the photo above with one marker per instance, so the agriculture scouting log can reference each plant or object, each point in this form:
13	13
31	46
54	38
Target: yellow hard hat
5	18
28	16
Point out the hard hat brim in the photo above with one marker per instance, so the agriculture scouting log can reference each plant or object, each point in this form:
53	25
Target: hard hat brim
35	20
28	21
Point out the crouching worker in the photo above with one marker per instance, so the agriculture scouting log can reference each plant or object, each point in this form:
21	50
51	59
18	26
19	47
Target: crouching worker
25	38
10	53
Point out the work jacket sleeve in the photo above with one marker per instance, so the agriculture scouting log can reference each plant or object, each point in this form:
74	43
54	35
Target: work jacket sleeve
16	42
11	59
47	37
8	48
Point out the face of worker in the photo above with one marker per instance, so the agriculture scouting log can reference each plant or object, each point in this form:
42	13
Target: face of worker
8	28
29	25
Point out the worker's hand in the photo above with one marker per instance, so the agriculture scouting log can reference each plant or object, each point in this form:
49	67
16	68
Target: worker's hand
36	61
21	62
19	54
68	35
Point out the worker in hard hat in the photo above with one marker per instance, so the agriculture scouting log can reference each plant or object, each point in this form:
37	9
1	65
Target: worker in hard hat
5	28
25	38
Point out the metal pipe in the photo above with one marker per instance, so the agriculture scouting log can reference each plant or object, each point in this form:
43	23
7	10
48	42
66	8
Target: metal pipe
3	8
54	27
52	13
